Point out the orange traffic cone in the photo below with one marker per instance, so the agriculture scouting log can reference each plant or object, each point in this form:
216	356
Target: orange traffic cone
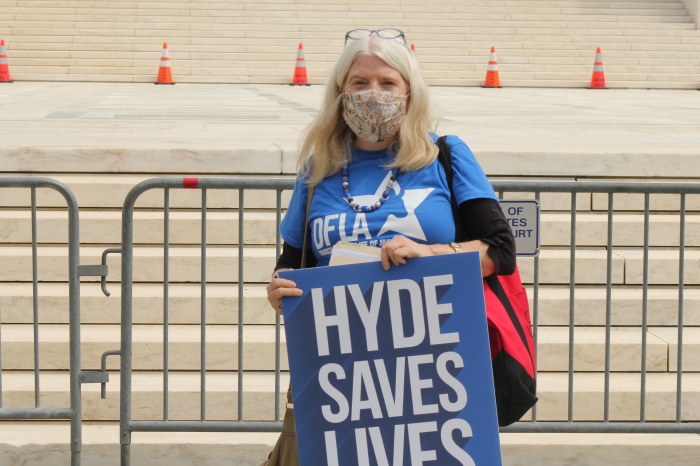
4	70
492	79
300	78
164	75
598	79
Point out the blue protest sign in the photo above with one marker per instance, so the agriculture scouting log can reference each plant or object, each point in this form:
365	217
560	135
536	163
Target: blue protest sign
392	368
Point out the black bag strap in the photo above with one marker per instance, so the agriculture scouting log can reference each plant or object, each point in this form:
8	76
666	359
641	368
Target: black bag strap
445	158
309	196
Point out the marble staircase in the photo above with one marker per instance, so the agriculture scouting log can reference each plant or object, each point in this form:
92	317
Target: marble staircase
540	43
102	139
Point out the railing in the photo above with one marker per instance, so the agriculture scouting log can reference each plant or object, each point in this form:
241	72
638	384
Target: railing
128	425
75	270
611	188
537	189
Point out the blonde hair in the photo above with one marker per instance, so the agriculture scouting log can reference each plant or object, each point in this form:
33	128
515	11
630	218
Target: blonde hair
327	142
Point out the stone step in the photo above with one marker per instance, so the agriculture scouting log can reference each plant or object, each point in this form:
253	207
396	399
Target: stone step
663	266
635	202
259	343
577	84
598	202
627	266
671	17
555	264
626	349
338	10
312	6
550	80
137	24
184	354
507	65
108	191
626	308
578	78
184	396
318	39
320	24
104	227
589	389
26	17
185	264
222	265
222	304
586	45
578	75
628	230
525	60
570	81
261	158
101	446
184	303
320	52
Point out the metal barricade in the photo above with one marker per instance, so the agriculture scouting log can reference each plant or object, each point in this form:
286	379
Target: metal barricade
74	272
128	425
610	188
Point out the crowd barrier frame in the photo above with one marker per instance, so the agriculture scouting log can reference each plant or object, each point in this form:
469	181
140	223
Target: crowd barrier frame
75	271
537	187
610	188
128	425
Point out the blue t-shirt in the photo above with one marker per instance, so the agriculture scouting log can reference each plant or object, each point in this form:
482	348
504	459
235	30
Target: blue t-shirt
418	206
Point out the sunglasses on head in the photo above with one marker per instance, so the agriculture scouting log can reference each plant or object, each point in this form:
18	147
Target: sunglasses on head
386	33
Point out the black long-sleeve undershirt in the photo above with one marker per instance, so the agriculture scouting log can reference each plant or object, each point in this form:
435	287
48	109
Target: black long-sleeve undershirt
486	222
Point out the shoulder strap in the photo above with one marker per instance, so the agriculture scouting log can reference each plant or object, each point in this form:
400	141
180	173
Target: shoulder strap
445	159
309	196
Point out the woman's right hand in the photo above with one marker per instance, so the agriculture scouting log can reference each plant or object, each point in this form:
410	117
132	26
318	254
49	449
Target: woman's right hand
278	288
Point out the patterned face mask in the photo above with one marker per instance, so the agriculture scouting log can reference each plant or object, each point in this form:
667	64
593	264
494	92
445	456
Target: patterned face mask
374	115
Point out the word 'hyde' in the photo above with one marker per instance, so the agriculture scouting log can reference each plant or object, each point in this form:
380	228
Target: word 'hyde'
370	314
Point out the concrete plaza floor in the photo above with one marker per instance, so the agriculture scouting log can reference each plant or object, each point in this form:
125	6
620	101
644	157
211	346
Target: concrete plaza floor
646	133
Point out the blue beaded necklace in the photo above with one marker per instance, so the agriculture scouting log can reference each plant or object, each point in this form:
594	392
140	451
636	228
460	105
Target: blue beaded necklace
364	208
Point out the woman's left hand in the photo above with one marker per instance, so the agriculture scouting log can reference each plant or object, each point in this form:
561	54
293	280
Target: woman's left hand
400	248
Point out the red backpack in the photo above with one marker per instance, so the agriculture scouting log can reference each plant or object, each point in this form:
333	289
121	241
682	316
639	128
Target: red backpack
510	328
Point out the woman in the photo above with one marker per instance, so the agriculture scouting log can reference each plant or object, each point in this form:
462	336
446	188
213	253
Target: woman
372	163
